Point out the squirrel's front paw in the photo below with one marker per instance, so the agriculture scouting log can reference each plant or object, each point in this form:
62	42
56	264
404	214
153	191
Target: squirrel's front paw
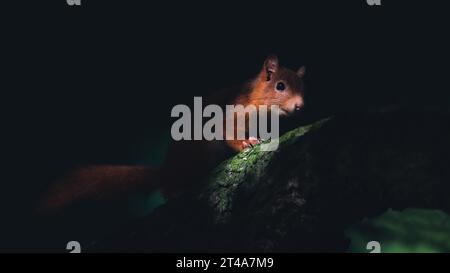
251	142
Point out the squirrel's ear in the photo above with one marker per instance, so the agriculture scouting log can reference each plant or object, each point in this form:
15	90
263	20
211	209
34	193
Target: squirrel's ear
301	71
270	66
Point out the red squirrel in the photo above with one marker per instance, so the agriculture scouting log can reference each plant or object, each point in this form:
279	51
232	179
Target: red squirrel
187	161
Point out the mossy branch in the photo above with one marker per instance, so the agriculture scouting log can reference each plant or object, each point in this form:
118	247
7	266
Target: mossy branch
302	197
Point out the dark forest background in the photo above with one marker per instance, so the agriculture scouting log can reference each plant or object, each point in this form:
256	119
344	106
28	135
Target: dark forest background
96	83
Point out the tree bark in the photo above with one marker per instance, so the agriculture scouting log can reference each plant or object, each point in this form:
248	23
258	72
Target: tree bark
301	197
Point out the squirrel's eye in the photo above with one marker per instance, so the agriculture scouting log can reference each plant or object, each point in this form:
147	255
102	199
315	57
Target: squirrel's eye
280	86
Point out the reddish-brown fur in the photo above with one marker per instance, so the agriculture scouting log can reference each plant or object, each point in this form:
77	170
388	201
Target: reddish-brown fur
187	161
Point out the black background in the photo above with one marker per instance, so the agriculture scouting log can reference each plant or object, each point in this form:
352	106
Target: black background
95	83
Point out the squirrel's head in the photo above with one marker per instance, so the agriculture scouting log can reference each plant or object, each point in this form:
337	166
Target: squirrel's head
277	85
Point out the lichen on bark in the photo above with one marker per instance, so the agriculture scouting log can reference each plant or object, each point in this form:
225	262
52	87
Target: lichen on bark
302	197
246	167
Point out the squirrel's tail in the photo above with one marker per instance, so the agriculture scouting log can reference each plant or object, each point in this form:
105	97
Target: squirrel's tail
98	184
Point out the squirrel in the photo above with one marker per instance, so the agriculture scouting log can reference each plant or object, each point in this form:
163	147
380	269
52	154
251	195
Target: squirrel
187	162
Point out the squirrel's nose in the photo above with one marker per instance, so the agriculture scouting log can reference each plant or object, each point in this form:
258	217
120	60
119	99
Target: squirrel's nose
299	104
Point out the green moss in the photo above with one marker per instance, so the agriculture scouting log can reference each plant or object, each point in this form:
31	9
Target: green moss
249	166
